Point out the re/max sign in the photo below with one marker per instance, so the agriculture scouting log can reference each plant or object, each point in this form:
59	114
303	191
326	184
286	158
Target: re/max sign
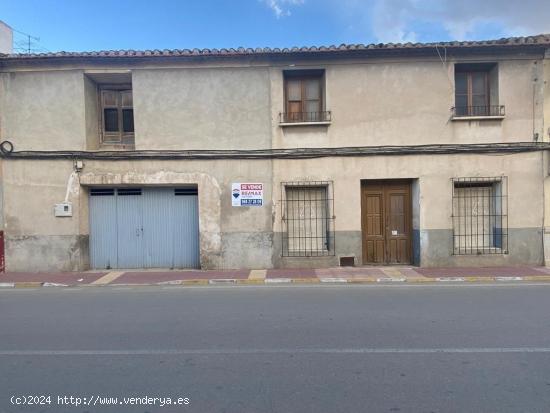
247	194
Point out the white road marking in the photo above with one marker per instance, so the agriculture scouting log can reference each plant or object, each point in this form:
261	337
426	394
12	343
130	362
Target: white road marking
391	280
48	284
450	279
222	281
359	350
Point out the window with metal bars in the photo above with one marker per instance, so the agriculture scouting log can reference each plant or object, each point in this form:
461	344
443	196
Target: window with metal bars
304	97
480	215
476	90
308	221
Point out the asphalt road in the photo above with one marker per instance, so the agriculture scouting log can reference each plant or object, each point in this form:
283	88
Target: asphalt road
285	349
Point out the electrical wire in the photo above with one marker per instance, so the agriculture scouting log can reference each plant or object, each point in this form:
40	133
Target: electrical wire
295	153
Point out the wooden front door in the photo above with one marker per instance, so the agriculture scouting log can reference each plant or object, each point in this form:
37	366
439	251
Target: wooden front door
386	222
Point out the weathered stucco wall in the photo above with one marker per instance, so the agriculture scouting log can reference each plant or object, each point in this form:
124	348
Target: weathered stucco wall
234	237
433	175
408	103
374	102
91	114
43	110
34	239
230	237
211	108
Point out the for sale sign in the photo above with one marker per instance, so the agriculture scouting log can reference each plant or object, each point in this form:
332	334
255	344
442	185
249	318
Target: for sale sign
247	194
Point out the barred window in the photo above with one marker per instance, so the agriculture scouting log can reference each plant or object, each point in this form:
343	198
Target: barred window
480	216
308	223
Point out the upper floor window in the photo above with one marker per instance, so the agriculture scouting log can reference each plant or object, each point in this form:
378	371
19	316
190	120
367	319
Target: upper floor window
304	97
476	90
117	115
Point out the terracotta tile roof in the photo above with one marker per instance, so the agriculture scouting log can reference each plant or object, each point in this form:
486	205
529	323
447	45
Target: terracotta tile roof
537	40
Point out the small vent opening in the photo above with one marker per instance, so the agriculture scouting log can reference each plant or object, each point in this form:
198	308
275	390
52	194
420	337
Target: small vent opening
102	192
347	261
185	191
129	191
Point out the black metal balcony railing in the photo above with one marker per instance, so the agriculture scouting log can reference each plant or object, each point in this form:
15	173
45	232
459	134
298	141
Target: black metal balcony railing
467	111
296	117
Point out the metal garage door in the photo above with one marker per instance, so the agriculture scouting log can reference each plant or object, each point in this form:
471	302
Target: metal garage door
144	228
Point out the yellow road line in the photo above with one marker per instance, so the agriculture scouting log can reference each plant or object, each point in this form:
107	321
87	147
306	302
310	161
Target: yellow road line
257	274
108	278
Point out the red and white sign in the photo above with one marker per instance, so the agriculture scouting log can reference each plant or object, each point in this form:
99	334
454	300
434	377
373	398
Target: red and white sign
247	194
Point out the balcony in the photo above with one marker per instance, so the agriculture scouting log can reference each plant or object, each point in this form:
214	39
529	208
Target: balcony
305	118
478	112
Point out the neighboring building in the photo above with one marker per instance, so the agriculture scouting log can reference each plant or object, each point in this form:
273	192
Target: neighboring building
6	38
424	154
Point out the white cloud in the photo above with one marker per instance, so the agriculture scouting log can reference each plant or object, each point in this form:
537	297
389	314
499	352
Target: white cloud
281	8
395	20
390	23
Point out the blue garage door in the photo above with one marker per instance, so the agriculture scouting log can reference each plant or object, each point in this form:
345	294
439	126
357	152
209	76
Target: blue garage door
144	228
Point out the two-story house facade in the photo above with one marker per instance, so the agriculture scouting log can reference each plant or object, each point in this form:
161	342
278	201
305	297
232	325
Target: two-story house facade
417	154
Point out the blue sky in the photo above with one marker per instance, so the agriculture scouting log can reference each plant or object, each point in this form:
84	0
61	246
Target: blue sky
166	24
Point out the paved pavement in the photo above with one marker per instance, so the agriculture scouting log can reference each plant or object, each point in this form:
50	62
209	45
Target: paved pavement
303	348
364	274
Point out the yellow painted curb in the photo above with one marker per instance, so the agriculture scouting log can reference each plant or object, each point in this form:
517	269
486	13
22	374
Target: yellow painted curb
28	284
305	280
361	280
537	278
420	280
250	281
478	279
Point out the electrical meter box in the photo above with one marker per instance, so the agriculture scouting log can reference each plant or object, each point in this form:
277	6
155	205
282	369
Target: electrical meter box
65	209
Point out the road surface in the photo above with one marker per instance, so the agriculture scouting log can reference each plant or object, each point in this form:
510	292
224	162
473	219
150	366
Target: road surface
397	348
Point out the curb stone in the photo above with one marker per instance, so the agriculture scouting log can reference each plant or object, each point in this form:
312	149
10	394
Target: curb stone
305	280
28	284
222	281
334	280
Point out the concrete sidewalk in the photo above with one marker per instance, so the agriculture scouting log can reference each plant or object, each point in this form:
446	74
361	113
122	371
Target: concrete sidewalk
365	274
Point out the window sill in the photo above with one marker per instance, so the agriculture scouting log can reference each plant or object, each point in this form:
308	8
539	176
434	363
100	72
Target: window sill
459	118
286	124
487	251
308	254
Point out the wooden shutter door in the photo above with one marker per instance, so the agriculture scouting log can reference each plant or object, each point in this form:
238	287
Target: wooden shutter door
373	224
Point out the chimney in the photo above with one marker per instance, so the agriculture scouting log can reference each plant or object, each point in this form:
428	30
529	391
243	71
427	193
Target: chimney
6	38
